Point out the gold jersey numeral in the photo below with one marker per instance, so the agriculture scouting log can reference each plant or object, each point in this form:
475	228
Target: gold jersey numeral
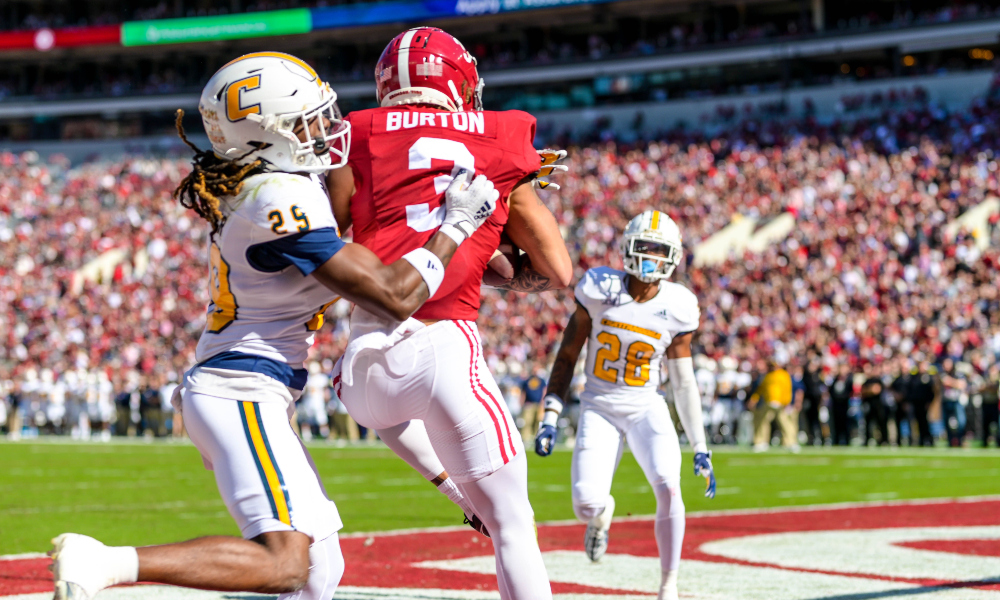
637	359
610	350
637	363
224	307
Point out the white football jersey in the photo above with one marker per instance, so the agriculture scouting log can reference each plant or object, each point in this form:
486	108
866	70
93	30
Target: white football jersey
262	304
628	339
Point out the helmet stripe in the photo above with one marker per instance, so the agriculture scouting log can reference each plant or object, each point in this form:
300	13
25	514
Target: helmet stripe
403	64
287	57
656	219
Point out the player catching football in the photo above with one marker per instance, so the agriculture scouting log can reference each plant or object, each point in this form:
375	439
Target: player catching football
277	262
431	368
630	320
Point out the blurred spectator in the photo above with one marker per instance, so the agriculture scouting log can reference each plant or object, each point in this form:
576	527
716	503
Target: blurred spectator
841	388
732	394
150	408
923	392
953	400
817	431
903	413
991	406
311	408
874	405
4	405
172	421
123	408
772	400
342	426
533	390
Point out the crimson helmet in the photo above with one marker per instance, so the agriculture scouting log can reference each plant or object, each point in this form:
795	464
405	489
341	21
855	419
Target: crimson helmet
428	66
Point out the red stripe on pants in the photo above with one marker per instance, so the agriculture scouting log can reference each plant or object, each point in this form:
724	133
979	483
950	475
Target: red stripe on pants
473	354
496	403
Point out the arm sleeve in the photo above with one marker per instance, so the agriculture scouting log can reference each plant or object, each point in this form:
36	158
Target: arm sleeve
687	400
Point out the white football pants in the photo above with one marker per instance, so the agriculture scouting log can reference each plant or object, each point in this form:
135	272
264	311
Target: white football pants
653	440
438	375
267	480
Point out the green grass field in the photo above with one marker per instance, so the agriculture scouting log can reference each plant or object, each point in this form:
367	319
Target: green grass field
137	493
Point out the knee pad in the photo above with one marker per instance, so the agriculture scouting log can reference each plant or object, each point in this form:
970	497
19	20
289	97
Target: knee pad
587	512
587	506
669	503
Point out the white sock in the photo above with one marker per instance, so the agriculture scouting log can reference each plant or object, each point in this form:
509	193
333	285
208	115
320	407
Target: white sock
124	561
668	589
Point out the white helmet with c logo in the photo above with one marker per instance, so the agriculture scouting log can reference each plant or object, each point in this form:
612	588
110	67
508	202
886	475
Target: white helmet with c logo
255	106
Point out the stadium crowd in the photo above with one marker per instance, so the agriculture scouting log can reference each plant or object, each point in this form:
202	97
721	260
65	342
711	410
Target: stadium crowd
870	307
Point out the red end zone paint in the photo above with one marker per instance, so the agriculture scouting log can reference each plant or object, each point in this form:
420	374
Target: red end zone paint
25	576
388	559
967	547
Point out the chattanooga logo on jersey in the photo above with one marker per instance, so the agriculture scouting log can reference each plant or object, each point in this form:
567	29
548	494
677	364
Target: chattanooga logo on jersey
465	122
904	551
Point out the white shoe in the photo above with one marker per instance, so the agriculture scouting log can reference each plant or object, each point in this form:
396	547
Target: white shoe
83	566
668	587
760	447
595	541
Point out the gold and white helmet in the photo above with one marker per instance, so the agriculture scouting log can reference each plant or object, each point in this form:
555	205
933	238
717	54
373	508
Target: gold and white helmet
254	106
651	246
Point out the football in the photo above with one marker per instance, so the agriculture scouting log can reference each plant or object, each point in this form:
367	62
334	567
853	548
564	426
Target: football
504	263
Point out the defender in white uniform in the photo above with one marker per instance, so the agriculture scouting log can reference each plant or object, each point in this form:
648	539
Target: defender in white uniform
276	263
632	320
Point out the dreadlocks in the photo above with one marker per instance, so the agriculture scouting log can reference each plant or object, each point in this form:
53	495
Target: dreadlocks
210	179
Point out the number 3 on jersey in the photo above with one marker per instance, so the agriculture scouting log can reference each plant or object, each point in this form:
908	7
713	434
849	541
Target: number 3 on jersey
223	309
420	217
636	360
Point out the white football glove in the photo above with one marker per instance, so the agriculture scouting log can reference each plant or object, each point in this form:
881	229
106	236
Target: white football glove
468	205
549	158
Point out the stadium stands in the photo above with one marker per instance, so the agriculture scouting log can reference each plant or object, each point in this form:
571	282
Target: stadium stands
71	84
870	273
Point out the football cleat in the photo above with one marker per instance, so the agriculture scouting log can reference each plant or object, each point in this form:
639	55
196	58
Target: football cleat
477	524
80	566
595	540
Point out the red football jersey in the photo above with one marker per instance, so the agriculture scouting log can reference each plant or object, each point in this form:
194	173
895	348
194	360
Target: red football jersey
403	159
